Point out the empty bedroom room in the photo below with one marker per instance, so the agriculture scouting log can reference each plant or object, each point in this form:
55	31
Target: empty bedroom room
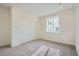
39	29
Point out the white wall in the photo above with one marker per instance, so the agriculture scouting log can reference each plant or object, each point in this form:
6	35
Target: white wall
66	34
23	26
77	28
5	26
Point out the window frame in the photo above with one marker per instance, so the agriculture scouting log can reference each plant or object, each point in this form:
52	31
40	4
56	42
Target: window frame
52	28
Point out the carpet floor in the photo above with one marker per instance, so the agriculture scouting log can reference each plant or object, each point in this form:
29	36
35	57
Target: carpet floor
29	48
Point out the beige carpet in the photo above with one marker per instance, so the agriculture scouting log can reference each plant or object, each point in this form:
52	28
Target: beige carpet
46	51
41	51
29	48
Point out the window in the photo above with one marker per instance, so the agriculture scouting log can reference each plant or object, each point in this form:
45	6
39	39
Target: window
53	24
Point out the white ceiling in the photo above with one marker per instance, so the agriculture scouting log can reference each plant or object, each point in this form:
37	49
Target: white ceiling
40	9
